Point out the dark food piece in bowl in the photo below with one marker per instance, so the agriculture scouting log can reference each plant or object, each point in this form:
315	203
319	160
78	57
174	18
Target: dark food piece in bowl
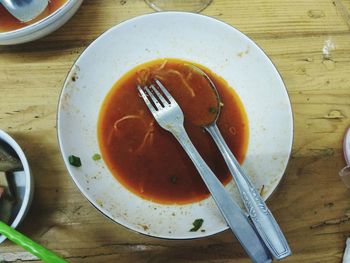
7	161
7	197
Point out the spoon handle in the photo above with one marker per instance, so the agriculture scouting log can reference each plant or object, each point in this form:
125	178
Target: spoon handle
260	215
234	216
29	245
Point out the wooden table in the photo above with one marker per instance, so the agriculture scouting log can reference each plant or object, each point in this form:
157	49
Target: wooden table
309	42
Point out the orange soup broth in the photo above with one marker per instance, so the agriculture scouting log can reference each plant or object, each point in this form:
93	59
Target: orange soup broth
147	159
10	23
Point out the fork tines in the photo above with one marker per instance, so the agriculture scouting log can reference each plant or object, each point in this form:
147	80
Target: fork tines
155	99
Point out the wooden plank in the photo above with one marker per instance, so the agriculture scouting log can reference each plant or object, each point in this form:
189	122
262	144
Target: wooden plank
308	41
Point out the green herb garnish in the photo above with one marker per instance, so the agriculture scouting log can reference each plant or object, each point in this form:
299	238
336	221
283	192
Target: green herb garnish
74	160
96	157
197	224
213	110
173	179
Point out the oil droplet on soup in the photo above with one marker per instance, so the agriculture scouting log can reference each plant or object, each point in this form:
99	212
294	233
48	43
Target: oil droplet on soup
147	159
10	23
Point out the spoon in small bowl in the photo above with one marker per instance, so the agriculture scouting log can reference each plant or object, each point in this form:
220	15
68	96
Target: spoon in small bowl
25	10
260	215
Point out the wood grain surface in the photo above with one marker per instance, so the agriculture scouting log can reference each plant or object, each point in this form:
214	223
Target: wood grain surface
308	41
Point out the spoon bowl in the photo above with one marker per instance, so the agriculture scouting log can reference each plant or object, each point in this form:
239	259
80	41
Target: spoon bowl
219	104
25	10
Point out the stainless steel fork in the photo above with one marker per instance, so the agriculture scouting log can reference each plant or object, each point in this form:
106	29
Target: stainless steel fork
170	117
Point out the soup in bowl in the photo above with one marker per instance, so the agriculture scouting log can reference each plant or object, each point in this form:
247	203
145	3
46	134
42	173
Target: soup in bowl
144	157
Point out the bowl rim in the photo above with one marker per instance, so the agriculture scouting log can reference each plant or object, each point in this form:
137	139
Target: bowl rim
37	26
203	16
29	188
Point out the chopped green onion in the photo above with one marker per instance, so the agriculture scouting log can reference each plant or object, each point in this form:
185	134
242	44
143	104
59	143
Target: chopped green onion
96	157
213	110
173	179
74	160
197	224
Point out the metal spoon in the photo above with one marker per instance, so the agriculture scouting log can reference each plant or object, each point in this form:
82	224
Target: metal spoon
25	10
260	215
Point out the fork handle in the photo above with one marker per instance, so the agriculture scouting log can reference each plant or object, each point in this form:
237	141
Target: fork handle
259	213
234	216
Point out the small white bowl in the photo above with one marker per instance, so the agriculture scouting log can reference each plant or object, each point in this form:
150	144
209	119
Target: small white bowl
42	27
23	182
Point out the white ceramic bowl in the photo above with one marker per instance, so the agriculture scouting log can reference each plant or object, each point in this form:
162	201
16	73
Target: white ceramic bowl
23	180
42	27
193	37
